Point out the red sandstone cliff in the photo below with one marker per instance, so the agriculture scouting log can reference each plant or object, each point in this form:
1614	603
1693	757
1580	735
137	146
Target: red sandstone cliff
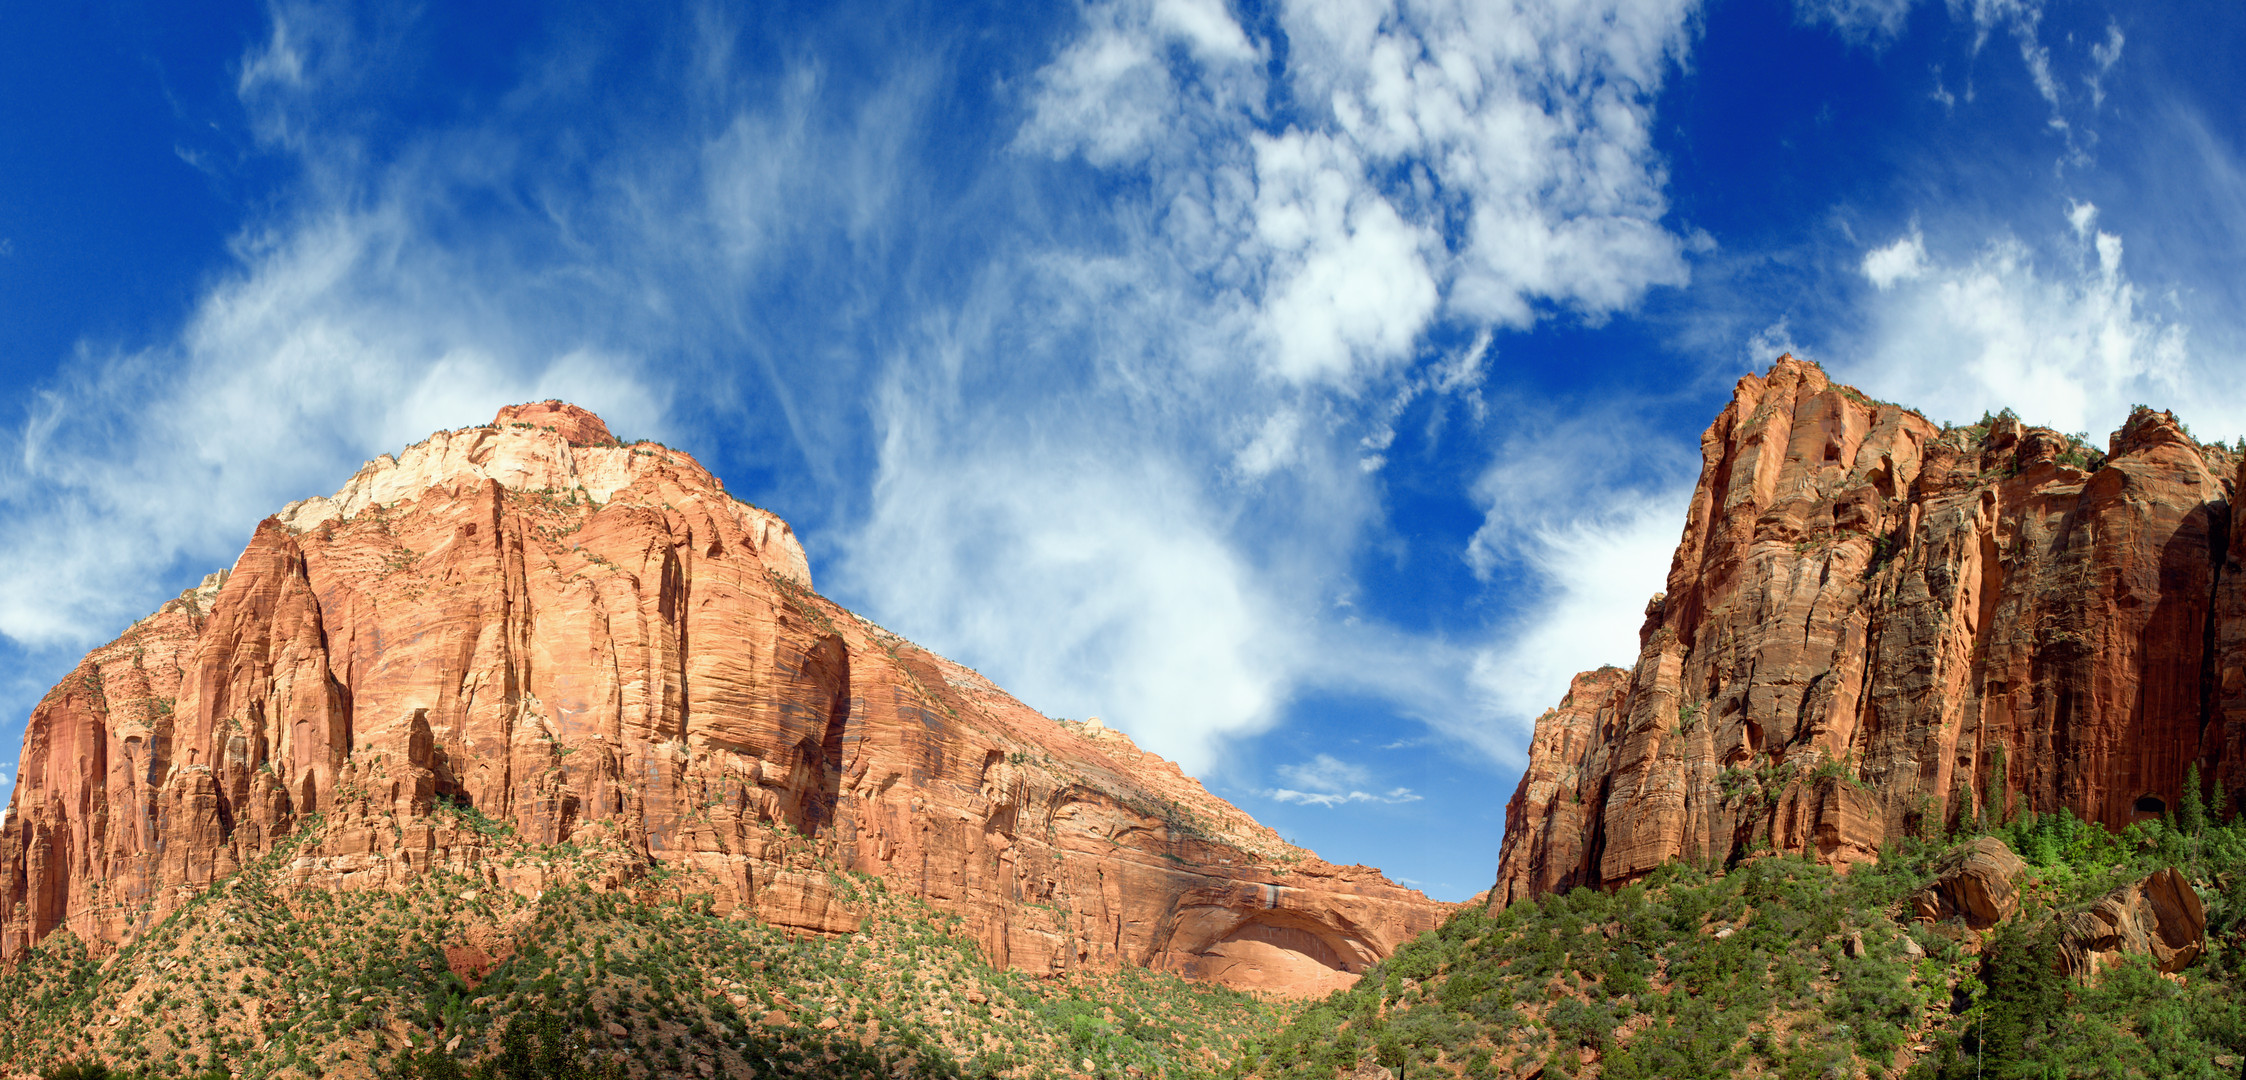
585	638
1873	622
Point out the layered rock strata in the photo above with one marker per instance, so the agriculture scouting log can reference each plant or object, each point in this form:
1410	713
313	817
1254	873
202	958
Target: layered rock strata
575	637
2160	918
1876	625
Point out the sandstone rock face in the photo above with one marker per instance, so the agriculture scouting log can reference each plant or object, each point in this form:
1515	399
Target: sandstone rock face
579	638
1979	883
2159	918
1874	625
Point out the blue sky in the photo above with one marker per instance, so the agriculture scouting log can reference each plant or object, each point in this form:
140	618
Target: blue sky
1306	388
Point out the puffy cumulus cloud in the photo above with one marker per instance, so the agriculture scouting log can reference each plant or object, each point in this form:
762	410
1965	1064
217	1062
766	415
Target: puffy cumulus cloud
2067	341
1903	260
1479	161
1528	121
1328	781
1353	280
1134	77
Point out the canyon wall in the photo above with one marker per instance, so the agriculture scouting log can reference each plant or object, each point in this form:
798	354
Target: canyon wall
532	625
1875	624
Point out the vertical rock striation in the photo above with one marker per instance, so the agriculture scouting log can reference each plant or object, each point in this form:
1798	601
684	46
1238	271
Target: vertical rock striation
1874	625
576	638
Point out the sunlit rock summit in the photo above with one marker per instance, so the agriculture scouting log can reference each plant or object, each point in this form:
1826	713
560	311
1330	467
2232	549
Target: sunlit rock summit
581	638
1876	625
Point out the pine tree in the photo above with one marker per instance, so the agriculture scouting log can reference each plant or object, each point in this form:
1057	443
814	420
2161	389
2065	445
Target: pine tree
2191	815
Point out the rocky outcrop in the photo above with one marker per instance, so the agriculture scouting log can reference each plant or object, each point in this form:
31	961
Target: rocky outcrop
2160	919
575	637
1978	883
1876	625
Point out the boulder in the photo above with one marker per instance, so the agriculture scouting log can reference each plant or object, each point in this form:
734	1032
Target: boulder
1978	883
2159	918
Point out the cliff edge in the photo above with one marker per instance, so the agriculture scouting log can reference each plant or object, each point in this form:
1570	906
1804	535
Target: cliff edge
1875	624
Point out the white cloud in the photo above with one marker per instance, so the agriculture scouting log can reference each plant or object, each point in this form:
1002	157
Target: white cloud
329	346
2024	18
1878	21
1328	781
1522	132
1125	468
1903	260
1881	21
1530	121
1357	288
1595	574
1113	94
1206	26
1771	342
2103	56
1091	575
280	62
2067	342
1588	524
1157	534
1325	772
1325	798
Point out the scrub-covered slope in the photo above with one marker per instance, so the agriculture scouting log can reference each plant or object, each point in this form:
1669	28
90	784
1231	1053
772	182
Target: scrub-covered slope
266	976
2087	954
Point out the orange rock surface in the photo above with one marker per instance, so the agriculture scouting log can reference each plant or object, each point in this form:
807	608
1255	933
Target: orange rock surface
1874	625
583	638
2160	918
1978	883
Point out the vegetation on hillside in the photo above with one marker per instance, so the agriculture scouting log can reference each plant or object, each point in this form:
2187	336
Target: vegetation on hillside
1772	967
256	978
1779	967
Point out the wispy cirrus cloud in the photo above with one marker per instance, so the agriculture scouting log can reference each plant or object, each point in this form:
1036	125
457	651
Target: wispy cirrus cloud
2068	341
1591	523
329	345
1119	454
1327	781
1192	482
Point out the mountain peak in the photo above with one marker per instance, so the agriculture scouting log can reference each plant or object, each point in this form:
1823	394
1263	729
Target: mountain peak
579	426
593	644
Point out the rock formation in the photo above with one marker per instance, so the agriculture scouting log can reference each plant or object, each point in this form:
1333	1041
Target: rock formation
578	637
1875	625
1979	883
2160	918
